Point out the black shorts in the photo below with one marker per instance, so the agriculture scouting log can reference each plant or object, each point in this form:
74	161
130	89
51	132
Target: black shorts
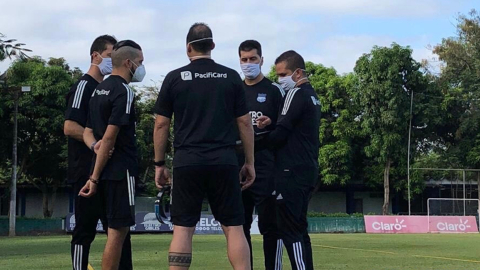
118	199
221	185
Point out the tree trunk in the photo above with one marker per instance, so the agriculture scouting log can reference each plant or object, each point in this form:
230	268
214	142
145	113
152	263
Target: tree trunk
386	187
48	201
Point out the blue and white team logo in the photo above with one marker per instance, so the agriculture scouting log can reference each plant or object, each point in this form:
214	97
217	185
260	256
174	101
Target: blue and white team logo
315	101
262	98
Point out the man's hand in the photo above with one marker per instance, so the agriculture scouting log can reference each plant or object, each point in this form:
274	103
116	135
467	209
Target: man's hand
88	190
248	173
97	147
162	176
263	122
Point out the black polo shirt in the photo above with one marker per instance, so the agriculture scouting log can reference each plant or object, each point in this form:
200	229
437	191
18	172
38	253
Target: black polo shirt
206	99
79	155
112	103
264	98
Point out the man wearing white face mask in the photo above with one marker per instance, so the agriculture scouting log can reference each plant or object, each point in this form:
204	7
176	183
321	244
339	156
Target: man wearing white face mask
208	102
80	156
263	98
296	141
112	120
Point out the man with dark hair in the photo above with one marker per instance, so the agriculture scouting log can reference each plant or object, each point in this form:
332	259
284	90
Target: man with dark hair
112	120
296	168
208	102
263	97
80	156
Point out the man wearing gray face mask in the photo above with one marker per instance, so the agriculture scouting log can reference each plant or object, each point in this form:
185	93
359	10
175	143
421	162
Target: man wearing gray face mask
87	211
112	119
263	98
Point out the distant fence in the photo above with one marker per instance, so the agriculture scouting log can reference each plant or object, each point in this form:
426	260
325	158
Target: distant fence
59	226
33	226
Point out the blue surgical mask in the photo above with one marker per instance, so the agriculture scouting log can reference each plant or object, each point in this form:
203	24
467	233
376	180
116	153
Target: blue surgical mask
105	66
250	70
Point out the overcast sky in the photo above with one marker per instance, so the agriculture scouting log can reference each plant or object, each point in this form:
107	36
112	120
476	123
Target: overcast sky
332	32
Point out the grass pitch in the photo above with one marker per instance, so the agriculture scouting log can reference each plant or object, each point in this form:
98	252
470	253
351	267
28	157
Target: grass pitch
331	251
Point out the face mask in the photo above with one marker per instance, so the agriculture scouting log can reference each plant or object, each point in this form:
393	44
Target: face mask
200	56
288	83
105	66
250	70
139	73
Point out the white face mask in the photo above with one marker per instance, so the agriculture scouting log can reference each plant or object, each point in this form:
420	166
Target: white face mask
105	66
288	83
250	70
139	73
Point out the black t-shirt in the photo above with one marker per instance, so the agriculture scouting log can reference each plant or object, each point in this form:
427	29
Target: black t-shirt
263	98
206	99
79	155
112	103
301	116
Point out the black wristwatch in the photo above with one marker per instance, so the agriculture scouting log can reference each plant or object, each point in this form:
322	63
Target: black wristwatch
159	163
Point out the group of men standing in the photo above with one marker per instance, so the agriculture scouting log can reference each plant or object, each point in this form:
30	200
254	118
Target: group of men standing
212	109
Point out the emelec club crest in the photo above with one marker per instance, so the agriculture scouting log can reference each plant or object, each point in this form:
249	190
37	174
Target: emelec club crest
262	98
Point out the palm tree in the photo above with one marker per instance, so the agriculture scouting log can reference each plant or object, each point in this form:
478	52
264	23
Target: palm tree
9	48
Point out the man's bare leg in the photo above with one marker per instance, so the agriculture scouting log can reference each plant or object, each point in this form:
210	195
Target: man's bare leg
237	246
180	254
113	248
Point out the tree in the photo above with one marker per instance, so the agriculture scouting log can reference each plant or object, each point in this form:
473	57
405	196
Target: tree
9	48
460	80
40	133
387	76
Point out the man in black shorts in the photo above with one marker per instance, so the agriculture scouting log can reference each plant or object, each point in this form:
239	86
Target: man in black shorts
263	97
208	102
296	168
112	120
87	211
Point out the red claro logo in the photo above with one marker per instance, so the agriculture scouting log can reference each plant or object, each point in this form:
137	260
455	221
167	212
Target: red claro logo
382	226
453	227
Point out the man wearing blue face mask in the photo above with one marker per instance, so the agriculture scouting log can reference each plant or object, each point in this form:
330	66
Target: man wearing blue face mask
80	156
263	98
112	120
296	141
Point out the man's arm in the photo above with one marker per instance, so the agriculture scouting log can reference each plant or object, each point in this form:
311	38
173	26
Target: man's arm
160	136
103	154
88	137
245	129
73	130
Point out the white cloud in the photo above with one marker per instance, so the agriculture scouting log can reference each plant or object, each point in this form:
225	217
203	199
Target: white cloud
59	28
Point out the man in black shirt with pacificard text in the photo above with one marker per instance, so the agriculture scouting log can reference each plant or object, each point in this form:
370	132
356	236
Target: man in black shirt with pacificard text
208	104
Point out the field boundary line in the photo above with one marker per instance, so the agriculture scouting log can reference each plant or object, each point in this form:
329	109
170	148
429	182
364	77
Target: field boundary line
445	258
358	249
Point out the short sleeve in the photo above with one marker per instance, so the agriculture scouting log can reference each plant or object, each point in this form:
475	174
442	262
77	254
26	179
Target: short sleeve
164	103
77	103
292	109
122	106
278	95
240	106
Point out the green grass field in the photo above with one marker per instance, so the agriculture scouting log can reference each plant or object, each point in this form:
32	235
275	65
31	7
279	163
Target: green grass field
331	251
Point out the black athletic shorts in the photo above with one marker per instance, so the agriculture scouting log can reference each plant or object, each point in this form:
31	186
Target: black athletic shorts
221	185
118	199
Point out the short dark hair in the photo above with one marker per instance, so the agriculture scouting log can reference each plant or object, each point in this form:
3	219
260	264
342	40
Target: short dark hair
100	43
292	59
249	45
126	43
198	31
